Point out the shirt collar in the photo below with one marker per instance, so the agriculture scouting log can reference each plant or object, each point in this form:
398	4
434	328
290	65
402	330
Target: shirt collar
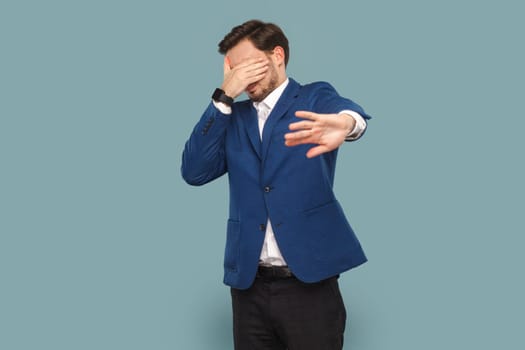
273	97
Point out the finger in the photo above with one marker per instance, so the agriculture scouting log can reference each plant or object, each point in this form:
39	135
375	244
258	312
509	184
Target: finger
300	141
298	135
316	151
256	76
303	125
257	71
301	138
292	143
306	115
254	79
251	74
249	63
258	62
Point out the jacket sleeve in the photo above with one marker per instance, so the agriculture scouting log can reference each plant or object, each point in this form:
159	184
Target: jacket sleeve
329	101
204	156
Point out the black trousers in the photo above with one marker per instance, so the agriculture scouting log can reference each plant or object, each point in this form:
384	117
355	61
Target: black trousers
279	313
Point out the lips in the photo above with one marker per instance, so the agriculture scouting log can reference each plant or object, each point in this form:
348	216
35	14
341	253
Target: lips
251	87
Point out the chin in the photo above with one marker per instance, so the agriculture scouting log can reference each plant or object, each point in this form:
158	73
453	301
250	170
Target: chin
255	97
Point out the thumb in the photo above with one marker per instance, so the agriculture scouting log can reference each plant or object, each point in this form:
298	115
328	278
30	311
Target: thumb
316	151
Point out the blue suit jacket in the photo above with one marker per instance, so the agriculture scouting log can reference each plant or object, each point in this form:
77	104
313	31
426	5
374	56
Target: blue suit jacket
269	179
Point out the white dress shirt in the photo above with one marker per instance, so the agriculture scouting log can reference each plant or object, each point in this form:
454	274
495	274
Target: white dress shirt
270	253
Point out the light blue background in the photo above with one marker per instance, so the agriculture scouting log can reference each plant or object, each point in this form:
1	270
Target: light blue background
103	246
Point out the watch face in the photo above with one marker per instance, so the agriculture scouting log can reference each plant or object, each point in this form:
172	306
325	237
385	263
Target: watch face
217	94
220	96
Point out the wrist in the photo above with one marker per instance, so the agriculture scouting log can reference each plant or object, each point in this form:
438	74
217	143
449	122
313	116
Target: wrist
227	91
219	95
349	123
359	125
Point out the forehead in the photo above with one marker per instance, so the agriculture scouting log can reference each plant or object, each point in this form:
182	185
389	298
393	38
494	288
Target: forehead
242	51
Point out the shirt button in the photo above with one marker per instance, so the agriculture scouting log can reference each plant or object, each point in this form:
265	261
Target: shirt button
267	189
262	227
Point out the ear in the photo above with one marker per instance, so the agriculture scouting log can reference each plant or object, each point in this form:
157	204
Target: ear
279	55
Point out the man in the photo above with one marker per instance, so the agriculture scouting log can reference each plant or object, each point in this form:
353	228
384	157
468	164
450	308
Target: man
287	237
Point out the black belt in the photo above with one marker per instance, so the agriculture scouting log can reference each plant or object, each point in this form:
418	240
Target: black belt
274	272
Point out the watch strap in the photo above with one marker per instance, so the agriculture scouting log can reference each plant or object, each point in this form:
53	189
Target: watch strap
220	96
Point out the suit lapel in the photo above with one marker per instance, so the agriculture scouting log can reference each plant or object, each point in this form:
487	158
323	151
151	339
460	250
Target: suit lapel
280	109
252	127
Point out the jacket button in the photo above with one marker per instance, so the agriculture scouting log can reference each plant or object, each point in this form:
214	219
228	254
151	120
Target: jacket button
262	227
267	189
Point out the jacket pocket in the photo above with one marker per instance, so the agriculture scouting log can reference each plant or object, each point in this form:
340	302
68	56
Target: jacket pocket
231	251
328	232
320	208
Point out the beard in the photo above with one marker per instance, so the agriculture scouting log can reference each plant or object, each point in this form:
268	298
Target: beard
265	88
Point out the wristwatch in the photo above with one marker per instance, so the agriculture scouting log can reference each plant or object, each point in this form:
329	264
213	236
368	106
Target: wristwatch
220	96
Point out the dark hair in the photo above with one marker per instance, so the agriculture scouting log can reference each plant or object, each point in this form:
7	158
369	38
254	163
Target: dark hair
264	36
